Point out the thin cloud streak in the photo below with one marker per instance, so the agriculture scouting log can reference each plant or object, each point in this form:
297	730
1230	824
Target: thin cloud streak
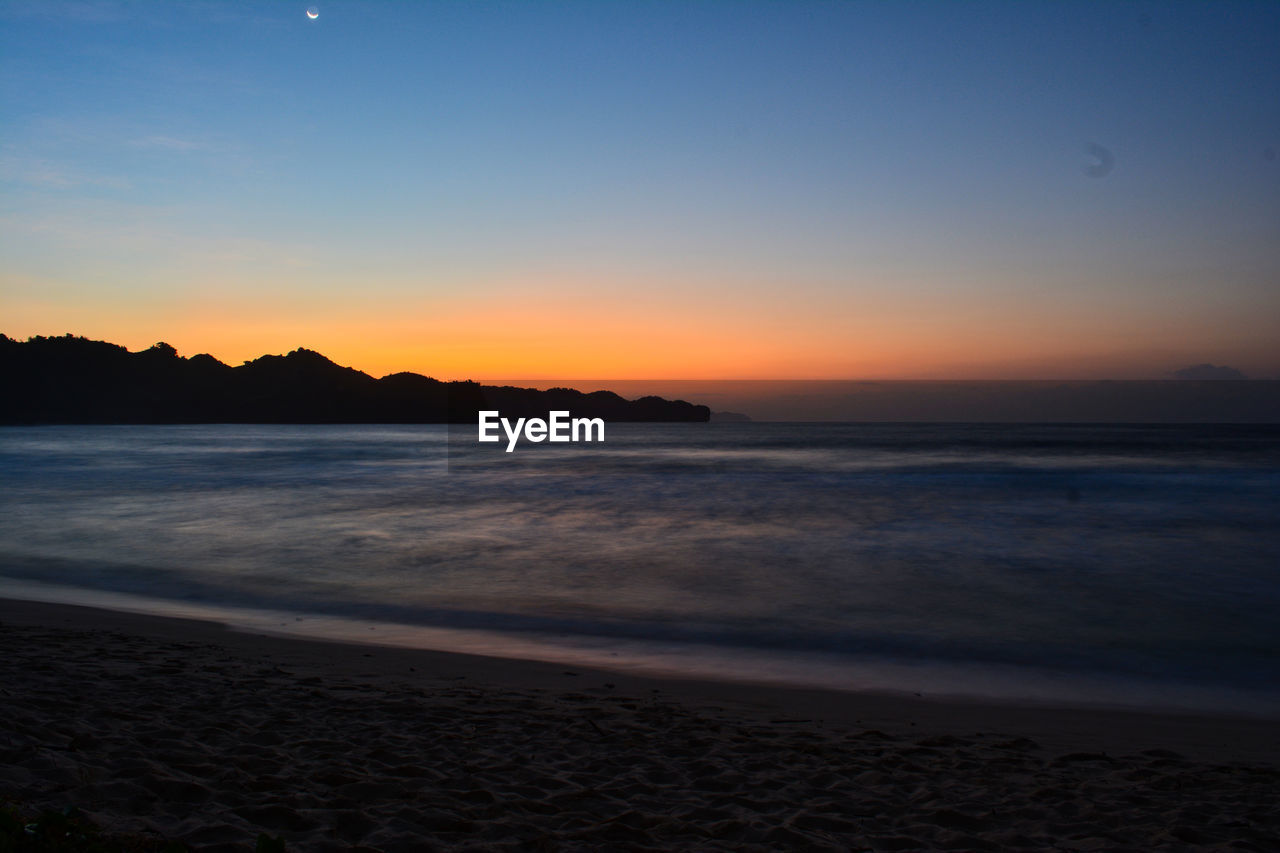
52	175
170	143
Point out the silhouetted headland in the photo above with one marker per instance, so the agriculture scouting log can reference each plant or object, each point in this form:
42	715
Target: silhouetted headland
65	380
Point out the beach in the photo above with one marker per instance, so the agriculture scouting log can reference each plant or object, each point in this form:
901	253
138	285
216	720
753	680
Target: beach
180	729
604	426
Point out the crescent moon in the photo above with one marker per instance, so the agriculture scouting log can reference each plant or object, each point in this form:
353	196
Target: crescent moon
313	13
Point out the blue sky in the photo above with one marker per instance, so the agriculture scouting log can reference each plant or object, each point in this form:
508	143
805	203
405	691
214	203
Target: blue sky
808	190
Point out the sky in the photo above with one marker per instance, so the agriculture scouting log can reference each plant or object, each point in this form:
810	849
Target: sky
666	190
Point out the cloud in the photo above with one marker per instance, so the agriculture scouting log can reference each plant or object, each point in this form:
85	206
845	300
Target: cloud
169	236
169	143
44	173
1208	371
1104	161
78	11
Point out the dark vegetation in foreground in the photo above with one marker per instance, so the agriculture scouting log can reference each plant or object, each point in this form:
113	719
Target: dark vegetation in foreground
73	380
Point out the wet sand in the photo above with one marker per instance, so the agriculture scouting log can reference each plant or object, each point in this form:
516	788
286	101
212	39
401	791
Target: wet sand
189	731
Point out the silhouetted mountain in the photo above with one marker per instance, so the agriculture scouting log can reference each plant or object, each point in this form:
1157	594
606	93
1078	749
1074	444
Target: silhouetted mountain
730	417
76	380
1208	371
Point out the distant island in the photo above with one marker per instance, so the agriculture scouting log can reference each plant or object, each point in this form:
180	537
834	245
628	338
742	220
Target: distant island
74	380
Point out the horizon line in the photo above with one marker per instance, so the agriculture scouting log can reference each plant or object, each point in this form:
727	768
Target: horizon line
491	378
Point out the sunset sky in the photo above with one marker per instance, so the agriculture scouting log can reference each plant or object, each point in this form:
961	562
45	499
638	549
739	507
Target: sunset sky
686	190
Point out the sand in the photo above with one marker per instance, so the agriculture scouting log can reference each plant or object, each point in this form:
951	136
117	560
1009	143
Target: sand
188	731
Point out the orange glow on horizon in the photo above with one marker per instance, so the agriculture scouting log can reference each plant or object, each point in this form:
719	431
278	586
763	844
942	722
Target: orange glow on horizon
535	330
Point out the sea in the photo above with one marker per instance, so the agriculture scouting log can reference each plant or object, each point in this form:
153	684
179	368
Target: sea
1075	564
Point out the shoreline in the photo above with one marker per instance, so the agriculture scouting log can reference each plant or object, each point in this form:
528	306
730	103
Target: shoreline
1000	685
187	730
1114	729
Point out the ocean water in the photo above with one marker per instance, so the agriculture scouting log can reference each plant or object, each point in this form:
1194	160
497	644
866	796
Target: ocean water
1082	564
